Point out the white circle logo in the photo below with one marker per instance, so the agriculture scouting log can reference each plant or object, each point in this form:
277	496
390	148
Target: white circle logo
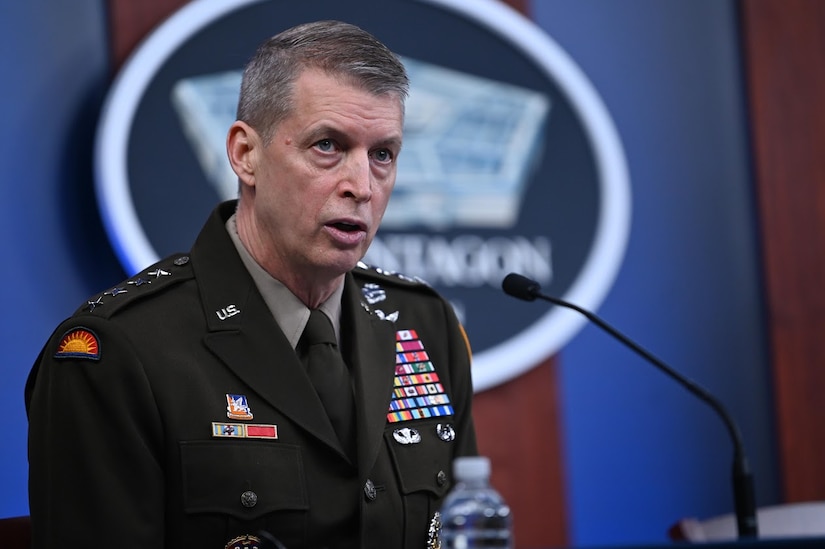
511	162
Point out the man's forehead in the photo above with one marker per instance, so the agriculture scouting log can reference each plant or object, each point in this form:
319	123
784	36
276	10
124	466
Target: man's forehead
318	107
310	77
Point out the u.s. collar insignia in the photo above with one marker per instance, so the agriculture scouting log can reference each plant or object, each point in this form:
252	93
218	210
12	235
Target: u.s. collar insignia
246	541
406	435
434	532
78	343
237	408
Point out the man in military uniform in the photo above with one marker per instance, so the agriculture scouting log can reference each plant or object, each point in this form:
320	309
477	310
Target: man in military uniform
185	407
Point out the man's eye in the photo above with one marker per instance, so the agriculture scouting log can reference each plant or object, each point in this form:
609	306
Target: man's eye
382	155
325	145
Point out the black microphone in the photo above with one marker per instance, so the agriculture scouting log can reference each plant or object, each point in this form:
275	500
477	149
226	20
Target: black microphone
522	287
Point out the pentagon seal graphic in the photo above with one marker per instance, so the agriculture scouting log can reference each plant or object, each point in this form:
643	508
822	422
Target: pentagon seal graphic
510	163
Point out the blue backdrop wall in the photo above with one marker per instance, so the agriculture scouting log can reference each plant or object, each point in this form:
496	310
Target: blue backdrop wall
54	65
639	451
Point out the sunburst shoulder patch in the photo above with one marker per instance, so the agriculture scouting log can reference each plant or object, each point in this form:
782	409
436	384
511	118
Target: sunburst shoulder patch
78	343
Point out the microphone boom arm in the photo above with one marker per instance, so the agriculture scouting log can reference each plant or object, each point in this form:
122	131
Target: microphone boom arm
744	498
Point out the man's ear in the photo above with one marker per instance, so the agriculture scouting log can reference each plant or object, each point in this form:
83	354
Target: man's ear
243	145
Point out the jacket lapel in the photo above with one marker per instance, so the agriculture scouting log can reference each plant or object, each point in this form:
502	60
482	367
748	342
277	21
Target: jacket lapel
260	355
244	335
372	360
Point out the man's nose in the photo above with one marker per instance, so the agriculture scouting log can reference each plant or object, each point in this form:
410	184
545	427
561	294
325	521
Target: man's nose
357	180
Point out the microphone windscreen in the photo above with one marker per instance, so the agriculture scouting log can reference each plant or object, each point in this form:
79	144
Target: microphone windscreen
520	286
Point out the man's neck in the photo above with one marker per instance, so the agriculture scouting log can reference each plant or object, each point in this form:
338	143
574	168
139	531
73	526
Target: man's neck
312	287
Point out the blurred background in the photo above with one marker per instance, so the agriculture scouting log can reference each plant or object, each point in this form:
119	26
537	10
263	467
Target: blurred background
717	104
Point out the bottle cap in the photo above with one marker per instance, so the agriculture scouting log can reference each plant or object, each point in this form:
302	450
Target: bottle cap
468	468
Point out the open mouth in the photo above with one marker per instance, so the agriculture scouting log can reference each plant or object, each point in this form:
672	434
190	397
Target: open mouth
346	227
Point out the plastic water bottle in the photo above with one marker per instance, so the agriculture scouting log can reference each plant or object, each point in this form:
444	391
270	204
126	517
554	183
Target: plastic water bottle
474	514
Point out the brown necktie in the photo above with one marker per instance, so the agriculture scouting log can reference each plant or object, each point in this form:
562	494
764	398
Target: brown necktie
330	376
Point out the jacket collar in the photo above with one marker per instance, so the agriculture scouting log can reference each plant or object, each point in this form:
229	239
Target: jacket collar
243	334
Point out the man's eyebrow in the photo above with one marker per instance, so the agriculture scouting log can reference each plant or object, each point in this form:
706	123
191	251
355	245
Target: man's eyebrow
327	131
393	142
321	132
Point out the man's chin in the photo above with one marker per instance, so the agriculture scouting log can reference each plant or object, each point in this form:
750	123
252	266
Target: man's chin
342	262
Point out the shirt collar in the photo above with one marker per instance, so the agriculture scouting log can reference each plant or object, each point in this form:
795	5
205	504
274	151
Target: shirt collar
289	312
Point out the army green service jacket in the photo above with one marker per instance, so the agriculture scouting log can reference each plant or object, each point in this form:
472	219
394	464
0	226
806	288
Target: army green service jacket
171	411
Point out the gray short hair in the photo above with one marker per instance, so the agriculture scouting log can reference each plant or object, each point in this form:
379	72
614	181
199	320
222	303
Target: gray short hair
337	48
